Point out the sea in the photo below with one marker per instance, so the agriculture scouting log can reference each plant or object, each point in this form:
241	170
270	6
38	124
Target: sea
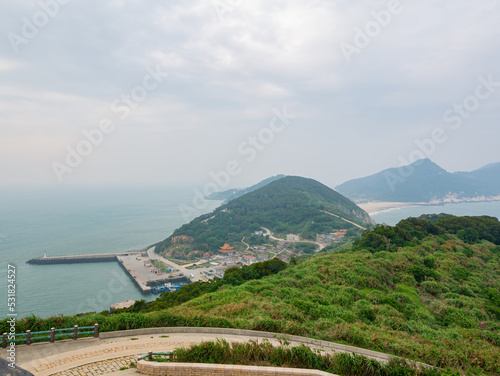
96	220
82	221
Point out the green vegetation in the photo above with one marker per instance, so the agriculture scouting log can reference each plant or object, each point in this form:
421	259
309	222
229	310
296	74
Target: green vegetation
161	266
387	301
410	231
265	354
233	276
288	205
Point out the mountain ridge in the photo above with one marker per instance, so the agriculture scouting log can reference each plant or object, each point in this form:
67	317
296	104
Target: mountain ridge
425	182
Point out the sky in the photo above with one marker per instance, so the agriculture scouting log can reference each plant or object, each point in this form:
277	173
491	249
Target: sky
137	93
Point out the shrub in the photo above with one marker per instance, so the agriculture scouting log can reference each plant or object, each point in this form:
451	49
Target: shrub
433	288
459	273
421	274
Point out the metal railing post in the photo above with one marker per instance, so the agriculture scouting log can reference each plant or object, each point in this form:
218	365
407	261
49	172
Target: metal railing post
96	330
75	332
4	340
28	337
52	335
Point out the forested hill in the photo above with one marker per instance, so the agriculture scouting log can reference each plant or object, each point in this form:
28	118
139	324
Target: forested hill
424	181
288	205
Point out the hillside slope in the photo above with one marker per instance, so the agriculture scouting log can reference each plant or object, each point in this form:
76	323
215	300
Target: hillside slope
434	300
424	181
288	205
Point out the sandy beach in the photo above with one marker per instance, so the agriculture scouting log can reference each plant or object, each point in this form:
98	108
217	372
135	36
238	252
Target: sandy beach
377	206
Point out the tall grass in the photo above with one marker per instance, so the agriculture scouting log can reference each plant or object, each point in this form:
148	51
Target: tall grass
264	354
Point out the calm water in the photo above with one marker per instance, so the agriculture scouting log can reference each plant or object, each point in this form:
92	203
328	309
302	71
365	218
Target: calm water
80	221
392	217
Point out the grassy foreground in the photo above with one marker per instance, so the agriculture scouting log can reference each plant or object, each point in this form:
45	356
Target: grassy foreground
381	301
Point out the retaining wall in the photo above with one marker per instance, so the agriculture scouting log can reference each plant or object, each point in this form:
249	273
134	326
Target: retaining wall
198	369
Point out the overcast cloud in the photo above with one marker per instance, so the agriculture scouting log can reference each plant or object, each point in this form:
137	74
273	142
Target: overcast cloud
230	68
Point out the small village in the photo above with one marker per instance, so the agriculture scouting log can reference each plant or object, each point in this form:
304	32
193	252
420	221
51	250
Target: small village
158	274
214	265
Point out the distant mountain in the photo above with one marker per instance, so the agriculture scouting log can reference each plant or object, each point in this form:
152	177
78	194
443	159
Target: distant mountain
425	181
231	194
287	205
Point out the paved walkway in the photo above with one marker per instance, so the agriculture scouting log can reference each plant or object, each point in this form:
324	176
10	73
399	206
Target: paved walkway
105	356
102	368
115	350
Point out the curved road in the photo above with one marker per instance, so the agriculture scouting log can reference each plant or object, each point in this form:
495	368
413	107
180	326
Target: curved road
346	220
248	247
44	359
268	232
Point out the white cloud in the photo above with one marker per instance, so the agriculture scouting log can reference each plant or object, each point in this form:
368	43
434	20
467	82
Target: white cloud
226	78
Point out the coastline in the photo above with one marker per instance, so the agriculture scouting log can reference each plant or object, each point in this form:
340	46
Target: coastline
376	207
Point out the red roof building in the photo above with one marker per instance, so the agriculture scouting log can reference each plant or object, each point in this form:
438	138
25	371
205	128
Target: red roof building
227	249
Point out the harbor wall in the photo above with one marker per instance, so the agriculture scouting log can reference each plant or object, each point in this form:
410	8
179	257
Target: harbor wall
72	259
144	290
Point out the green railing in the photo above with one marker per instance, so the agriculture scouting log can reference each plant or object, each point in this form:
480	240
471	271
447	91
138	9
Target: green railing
164	357
50	335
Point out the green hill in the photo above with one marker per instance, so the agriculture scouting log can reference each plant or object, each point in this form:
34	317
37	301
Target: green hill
288	205
424	181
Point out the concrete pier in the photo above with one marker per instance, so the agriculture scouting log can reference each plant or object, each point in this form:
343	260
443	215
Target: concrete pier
143	276
74	259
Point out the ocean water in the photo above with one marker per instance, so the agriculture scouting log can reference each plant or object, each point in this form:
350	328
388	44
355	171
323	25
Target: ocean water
393	216
81	221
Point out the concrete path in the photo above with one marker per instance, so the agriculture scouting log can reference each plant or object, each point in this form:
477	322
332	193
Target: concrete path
115	350
118	366
105	356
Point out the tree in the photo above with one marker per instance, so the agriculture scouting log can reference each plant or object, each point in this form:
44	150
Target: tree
468	235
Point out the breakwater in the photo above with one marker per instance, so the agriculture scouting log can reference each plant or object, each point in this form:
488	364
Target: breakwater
74	259
144	288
